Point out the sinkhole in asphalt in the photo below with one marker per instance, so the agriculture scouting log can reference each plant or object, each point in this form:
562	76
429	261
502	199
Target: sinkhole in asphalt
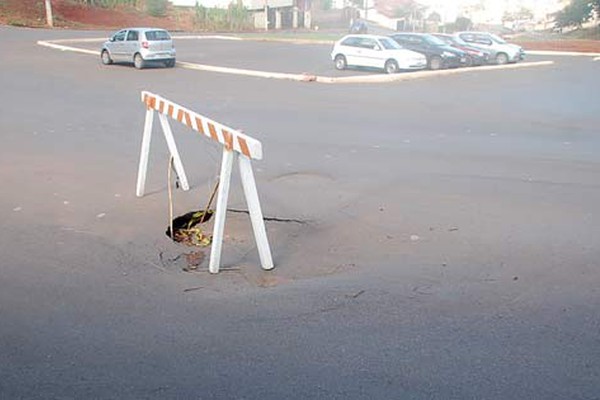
187	229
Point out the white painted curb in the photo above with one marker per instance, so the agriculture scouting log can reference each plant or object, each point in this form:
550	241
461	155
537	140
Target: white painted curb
426	74
561	53
247	72
67	48
378	78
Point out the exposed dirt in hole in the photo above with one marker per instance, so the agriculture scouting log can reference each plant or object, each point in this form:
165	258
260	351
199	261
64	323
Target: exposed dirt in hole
186	230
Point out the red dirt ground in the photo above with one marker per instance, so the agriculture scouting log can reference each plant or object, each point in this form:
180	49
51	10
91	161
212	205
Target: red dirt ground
592	46
68	14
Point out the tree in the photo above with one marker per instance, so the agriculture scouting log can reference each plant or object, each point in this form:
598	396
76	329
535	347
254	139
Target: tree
463	24
575	13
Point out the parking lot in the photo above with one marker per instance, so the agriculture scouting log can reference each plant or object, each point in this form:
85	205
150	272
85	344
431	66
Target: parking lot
433	238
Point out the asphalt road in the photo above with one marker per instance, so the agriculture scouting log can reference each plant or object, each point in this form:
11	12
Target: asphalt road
447	246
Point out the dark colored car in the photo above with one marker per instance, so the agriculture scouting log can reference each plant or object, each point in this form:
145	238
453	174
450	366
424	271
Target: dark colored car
475	56
439	54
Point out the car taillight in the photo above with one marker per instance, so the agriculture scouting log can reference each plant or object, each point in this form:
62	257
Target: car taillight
145	45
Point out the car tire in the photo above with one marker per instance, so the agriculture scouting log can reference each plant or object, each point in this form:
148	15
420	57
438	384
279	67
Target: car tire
340	62
105	57
170	63
501	58
138	61
391	67
469	61
436	63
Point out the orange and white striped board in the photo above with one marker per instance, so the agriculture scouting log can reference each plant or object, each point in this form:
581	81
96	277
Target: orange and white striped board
235	145
230	138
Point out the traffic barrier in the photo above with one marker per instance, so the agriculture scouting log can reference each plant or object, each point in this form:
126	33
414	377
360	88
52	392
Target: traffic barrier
235	145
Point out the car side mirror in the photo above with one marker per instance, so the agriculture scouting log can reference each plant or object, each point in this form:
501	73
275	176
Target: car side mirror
111	39
376	47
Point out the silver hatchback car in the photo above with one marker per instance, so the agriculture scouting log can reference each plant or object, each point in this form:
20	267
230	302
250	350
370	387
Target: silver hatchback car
140	46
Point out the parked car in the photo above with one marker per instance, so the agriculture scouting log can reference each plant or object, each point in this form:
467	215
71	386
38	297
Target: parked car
375	52
501	51
141	46
439	54
475	55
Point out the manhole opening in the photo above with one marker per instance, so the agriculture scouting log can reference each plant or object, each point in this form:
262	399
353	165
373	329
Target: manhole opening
187	228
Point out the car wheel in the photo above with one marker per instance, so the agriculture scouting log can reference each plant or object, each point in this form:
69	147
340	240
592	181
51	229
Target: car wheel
340	62
391	67
170	63
469	61
501	58
138	61
105	57
435	63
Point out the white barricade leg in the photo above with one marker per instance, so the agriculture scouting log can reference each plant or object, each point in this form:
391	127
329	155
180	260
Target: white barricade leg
256	216
219	227
173	149
145	152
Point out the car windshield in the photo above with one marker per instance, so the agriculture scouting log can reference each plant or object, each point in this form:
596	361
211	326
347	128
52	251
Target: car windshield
389	44
157	35
434	41
497	39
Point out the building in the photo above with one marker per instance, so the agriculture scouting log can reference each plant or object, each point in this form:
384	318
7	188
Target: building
267	14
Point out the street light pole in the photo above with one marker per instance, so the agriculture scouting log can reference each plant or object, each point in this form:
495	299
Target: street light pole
49	18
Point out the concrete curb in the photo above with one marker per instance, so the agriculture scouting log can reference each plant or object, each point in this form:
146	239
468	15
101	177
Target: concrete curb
248	72
67	48
561	53
378	78
426	74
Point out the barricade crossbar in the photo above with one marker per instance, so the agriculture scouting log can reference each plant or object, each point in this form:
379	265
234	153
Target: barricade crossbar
228	137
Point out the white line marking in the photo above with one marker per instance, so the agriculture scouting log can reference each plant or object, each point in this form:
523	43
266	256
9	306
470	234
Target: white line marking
597	59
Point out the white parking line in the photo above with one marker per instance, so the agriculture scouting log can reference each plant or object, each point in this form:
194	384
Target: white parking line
378	78
597	59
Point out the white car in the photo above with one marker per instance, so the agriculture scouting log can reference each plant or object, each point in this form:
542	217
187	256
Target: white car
375	52
501	51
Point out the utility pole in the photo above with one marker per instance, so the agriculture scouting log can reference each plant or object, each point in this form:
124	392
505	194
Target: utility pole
49	18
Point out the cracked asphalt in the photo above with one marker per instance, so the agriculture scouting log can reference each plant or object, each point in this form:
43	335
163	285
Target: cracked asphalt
450	247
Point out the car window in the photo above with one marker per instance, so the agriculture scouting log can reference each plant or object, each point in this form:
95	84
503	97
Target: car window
132	36
467	37
482	39
368	43
157	35
389	44
119	36
351	41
